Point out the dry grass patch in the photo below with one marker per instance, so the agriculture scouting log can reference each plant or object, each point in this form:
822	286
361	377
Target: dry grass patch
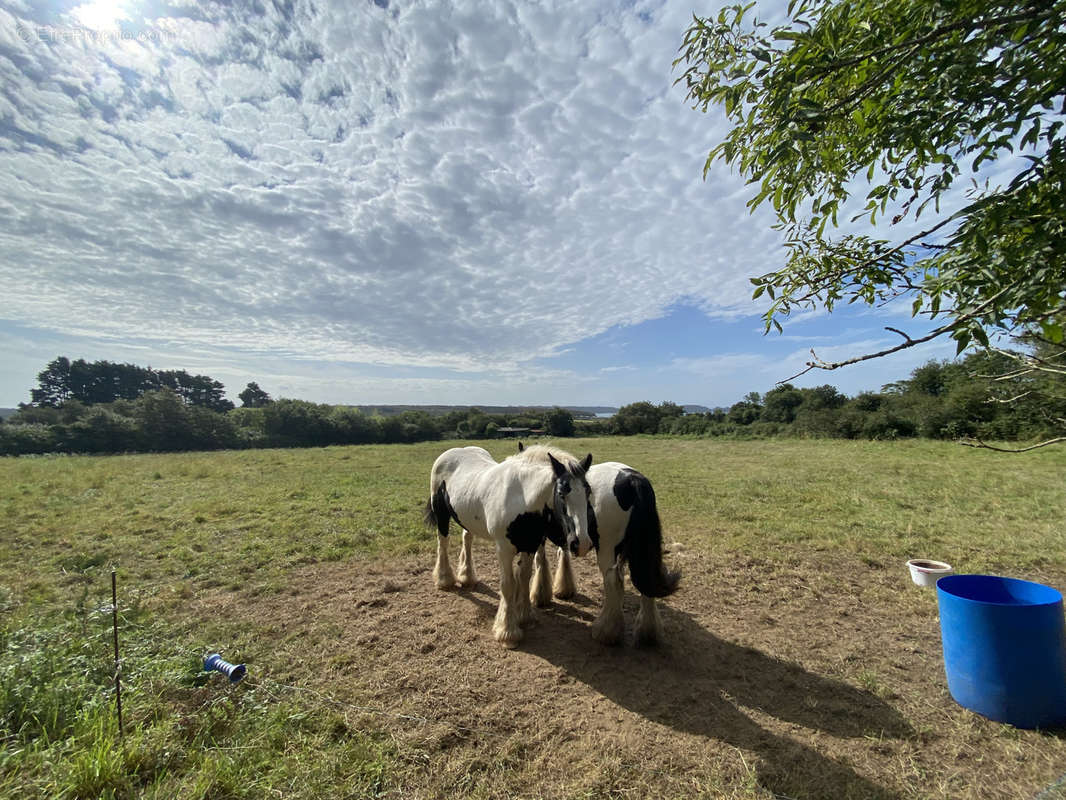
781	679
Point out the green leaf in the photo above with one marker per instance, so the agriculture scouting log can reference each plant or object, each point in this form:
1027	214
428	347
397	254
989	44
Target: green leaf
1052	331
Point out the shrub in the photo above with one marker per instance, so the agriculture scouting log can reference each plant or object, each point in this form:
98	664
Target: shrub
26	439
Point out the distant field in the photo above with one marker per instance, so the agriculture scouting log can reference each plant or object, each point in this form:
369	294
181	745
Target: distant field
310	565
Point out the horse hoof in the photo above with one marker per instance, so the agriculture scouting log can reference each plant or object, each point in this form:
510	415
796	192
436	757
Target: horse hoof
647	638
610	638
510	640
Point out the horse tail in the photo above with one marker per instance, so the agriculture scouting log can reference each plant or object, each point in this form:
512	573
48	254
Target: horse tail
643	540
438	510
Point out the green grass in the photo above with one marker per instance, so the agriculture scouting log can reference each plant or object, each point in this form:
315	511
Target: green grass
176	525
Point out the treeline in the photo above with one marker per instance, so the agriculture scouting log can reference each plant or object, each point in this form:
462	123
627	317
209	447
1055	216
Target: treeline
149	410
983	396
104	407
160	421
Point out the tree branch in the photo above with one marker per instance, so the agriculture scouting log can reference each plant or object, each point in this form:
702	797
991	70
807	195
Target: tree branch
936	34
818	363
840	275
901	333
1033	363
863	89
981	445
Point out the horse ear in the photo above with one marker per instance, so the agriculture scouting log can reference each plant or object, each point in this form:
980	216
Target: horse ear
587	462
559	469
521	447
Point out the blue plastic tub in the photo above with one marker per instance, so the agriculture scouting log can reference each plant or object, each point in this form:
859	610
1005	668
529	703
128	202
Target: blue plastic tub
1004	648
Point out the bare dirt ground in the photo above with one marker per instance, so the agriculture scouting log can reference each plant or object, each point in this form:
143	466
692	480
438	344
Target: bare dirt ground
818	677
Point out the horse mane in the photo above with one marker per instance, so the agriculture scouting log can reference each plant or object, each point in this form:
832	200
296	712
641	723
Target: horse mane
538	454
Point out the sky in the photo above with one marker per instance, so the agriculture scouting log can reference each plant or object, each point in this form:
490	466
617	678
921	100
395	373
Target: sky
390	202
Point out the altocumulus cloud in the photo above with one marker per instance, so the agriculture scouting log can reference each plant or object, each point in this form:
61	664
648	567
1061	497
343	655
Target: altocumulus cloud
468	186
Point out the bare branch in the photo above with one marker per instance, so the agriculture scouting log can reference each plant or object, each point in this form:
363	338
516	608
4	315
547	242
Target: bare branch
1033	363
901	333
981	445
818	363
1010	400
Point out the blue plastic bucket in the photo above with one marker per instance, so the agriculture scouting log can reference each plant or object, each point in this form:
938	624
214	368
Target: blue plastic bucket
1004	648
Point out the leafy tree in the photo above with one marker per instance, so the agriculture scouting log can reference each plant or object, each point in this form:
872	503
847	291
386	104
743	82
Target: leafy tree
747	410
100	430
474	424
669	410
195	390
866	401
780	403
904	100
824	396
351	426
97	382
297	423
640	417
53	384
253	396
164	421
559	422
210	430
32	438
420	426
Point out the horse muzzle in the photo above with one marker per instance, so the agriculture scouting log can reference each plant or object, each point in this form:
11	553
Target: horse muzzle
579	546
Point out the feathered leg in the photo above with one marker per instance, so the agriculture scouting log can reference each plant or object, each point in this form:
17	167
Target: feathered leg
467	574
540	593
505	628
609	627
564	586
442	571
649	623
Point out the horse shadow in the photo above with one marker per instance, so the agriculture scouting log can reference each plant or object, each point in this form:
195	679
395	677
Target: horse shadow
698	683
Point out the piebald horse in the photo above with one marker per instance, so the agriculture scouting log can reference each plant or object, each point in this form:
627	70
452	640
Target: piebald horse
628	532
515	503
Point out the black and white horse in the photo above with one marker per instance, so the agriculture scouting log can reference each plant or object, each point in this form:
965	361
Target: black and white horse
628	532
515	503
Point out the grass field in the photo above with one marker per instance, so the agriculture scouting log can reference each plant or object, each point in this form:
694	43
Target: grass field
263	555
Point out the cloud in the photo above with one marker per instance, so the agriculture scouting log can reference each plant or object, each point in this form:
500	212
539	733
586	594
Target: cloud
459	186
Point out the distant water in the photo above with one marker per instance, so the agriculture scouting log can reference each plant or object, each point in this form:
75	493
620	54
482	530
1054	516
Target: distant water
604	415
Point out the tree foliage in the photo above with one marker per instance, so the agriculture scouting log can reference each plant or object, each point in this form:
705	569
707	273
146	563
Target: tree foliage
253	396
940	400
63	380
906	101
559	422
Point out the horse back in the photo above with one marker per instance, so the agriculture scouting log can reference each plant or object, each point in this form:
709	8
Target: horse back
464	462
630	522
458	483
614	490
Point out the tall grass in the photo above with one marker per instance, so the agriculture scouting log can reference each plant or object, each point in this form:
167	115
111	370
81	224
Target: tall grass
186	734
